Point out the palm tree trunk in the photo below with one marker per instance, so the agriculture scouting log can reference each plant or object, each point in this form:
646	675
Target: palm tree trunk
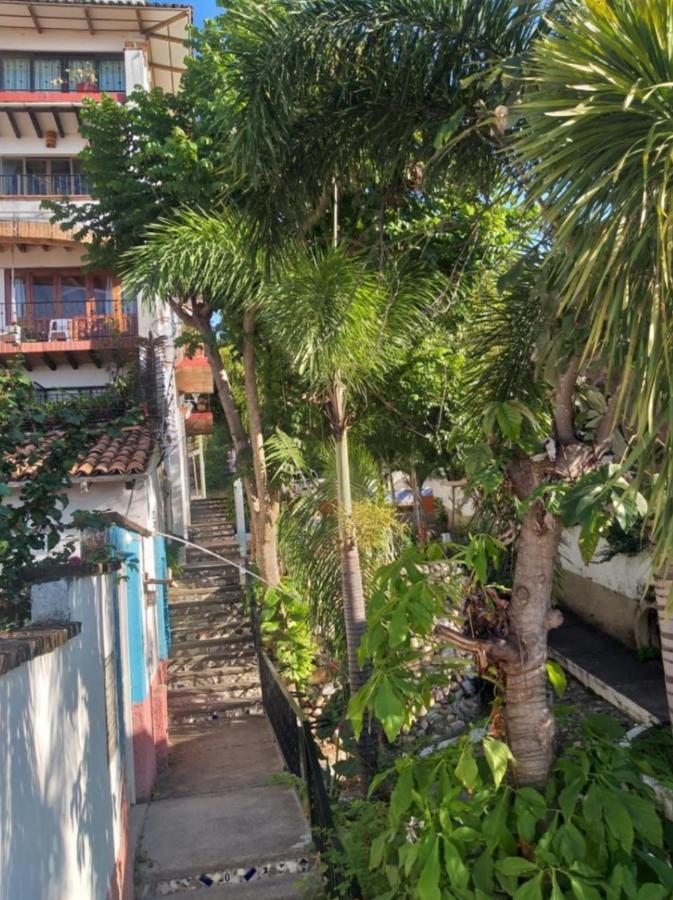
528	713
267	508
353	597
663	583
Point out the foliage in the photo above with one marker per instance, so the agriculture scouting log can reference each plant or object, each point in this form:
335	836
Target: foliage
653	749
454	825
285	628
596	149
309	528
143	160
402	610
45	445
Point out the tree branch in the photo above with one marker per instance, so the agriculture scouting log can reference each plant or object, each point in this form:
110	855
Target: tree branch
500	651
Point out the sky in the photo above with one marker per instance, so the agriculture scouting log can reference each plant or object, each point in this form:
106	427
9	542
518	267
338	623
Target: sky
204	9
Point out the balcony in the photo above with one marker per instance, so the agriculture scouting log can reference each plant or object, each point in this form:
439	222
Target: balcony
43	186
70	332
136	389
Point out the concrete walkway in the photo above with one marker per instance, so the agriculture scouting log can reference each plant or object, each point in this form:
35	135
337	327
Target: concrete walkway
611	670
219	824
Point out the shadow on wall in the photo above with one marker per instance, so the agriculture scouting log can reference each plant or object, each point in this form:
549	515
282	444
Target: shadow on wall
59	806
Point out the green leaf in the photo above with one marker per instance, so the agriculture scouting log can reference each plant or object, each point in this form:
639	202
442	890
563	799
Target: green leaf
377	852
498	756
509	420
454	864
569	794
52	539
652	892
531	890
515	866
582	890
482	873
428	883
401	797
398	627
448	128
389	708
557	677
466	769
617	819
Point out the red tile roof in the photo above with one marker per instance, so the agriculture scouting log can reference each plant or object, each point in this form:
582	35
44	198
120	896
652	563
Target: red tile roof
126	451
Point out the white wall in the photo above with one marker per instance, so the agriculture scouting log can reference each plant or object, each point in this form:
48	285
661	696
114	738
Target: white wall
628	575
60	796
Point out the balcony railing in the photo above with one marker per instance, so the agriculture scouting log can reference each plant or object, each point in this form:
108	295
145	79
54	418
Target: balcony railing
69	321
43	186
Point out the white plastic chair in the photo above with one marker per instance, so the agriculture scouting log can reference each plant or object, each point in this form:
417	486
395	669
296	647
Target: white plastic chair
60	330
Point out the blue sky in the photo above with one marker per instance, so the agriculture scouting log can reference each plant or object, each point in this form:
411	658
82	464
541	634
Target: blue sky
204	9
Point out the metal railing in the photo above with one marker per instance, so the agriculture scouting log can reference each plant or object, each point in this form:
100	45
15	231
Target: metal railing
44	186
70	320
302	758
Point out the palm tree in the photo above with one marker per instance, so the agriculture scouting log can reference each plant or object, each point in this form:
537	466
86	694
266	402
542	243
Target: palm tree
202	264
597	148
340	324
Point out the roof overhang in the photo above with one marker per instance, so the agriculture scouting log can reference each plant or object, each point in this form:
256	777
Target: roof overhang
163	26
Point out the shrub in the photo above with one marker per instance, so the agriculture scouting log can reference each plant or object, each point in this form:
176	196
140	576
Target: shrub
455	826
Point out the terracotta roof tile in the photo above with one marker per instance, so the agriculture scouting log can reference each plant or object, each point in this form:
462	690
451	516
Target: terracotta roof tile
125	452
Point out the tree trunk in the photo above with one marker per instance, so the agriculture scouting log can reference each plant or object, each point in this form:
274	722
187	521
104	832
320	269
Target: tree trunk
662	588
417	497
267	508
528	712
353	596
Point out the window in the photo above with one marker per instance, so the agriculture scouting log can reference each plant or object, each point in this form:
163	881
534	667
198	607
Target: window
44	296
16	73
111	75
82	75
47	74
73	295
79	73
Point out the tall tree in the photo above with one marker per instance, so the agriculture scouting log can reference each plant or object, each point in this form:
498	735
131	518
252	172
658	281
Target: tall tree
341	325
597	148
202	264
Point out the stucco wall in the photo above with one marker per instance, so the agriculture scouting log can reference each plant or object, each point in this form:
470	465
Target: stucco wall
61	797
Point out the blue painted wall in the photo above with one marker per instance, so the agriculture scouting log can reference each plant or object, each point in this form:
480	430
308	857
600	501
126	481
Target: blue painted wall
128	544
163	621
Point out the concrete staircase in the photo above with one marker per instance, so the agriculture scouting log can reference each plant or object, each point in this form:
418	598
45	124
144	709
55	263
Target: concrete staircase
218	826
213	668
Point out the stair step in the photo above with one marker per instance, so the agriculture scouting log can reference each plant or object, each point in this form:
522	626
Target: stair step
209	665
235	678
199	704
205	633
277	887
187	615
206	580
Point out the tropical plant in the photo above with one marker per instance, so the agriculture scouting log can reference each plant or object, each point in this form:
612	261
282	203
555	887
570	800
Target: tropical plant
596	151
455	825
285	627
202	265
351	321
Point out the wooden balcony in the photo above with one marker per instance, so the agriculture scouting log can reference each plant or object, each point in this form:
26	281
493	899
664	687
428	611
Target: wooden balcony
69	335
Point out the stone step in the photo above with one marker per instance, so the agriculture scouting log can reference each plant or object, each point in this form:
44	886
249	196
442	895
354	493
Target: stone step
212	593
186	615
185	696
234	678
291	886
205	632
210	665
190	713
189	581
214	646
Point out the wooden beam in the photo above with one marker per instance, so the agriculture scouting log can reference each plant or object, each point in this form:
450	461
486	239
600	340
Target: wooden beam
45	247
87	16
12	122
35	123
72	360
58	123
168	68
50	361
21	248
95	359
27	364
36	21
160	25
169	38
